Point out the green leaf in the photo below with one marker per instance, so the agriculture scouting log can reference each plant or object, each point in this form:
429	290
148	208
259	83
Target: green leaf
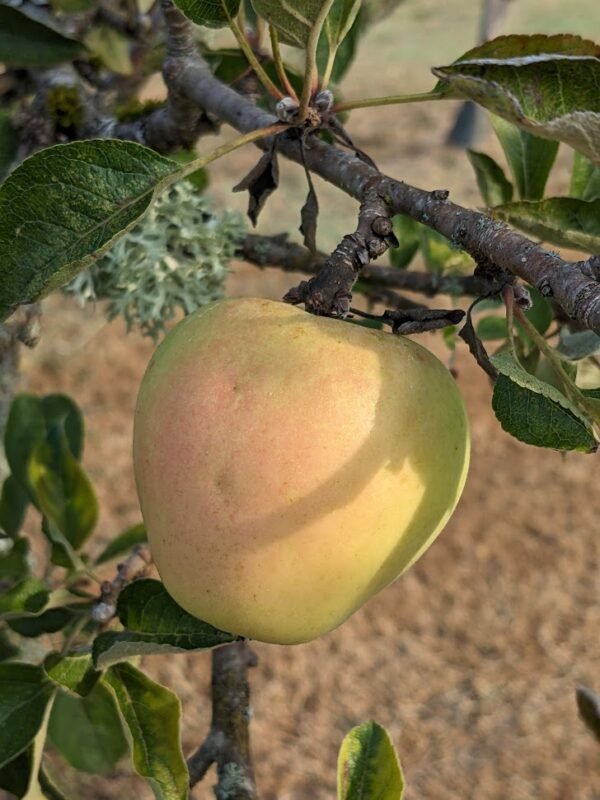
13	505
346	49
154	624
14	776
7	648
62	490
87	731
293	21
540	314
529	157
60	410
25	430
25	42
30	594
489	328
336	27
440	255
123	543
29	422
585	178
408	233
14	559
535	412
64	206
152	714
564	221
368	765
50	621
211	13
9	141
546	85
25	691
112	48
577	344
73	672
494	187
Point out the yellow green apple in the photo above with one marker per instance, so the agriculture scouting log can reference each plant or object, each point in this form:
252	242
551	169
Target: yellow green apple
290	466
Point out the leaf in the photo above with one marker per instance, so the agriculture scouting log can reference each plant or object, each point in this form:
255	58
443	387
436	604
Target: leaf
260	182
408	234
585	178
154	624
211	13
112	48
64	206
535	412
62	490
25	42
492	328
546	85
25	430
14	776
73	672
14	559
336	27
25	691
529	157
346	49
9	140
7	648
13	505
588	705
577	344
368	765
440	255
50	621
494	187
30	594
540	313
152	714
564	221
87	731
123	543
293	21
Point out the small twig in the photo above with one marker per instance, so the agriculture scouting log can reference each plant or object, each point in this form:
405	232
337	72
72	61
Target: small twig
135	566
228	742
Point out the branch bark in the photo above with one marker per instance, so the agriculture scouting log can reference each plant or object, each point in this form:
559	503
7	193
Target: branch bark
494	245
228	742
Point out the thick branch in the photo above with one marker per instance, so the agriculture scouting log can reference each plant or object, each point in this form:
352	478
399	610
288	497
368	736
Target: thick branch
228	742
181	121
572	284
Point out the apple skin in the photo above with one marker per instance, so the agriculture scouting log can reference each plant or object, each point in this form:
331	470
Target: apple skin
290	466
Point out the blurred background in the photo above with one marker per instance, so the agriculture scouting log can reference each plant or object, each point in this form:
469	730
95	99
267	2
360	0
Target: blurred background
472	658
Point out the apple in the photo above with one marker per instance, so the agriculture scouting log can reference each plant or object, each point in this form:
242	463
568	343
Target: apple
290	466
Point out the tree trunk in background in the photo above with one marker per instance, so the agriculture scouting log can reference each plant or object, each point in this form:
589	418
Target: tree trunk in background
470	117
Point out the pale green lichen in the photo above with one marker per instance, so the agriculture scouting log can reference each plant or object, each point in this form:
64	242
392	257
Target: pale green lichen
175	259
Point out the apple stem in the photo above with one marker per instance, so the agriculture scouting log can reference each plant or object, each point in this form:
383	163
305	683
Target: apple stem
228	742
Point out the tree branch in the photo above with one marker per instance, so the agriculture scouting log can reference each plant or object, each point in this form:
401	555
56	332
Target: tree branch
181	121
228	742
276	251
135	566
494	245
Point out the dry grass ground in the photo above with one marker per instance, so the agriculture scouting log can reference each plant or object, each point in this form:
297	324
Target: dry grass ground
471	659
